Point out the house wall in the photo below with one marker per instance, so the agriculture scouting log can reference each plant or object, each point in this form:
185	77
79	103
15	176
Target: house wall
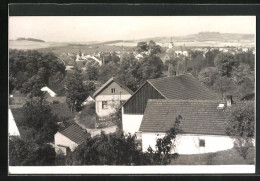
137	103
112	100
62	140
131	122
189	144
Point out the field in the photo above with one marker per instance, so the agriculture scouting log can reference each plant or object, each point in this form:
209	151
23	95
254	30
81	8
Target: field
228	157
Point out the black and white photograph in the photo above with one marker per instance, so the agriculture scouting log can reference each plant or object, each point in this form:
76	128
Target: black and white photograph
91	93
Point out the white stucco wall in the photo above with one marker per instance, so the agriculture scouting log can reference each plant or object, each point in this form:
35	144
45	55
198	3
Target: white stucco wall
112	101
189	144
131	122
62	140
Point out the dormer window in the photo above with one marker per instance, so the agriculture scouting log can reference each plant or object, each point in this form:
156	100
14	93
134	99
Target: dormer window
113	90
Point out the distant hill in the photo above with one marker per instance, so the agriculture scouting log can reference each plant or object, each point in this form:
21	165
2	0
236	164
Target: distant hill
29	39
204	36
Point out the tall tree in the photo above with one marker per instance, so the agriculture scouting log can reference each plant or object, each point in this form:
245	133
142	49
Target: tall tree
27	153
76	92
41	120
225	63
241	125
31	69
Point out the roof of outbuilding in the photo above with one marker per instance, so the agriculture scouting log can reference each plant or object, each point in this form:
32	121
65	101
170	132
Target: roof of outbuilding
198	116
182	87
112	79
74	132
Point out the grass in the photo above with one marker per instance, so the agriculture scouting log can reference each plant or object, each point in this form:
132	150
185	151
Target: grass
227	157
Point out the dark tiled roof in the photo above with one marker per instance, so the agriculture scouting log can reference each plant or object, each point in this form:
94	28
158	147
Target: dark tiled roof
182	87
108	83
198	116
74	132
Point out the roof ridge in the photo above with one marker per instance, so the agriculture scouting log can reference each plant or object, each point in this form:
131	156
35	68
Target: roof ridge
184	100
166	77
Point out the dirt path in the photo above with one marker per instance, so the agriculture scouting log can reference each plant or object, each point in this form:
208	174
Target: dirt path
94	132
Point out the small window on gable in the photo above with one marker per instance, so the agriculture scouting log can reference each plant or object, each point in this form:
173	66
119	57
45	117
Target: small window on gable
113	90
104	104
202	143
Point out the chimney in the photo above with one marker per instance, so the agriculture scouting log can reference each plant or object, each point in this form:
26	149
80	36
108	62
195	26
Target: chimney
229	100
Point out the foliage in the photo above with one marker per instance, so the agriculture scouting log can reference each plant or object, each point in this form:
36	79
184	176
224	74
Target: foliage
40	119
142	47
162	156
241	126
106	71
122	149
27	153
92	70
76	92
208	75
225	63
241	120
30	70
153	48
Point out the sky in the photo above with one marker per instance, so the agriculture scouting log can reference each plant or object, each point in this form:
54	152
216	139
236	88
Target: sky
105	28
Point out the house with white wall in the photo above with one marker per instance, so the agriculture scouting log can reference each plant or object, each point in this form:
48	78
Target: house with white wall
202	125
182	87
69	136
110	96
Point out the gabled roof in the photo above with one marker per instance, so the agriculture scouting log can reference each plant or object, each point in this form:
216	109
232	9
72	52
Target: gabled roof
182	87
112	79
198	116
74	132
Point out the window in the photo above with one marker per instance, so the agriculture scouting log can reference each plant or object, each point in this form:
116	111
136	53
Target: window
113	90
202	143
104	104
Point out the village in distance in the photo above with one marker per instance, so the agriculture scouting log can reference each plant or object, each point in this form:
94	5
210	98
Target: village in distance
169	100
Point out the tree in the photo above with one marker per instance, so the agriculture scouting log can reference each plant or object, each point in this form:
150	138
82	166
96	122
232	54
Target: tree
40	119
122	149
151	67
240	73
210	56
32	69
208	75
241	125
28	153
162	156
142	47
92	70
153	48
225	85
225	63
106	71
76	92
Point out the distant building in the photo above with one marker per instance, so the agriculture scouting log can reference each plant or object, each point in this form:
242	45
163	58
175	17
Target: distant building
109	96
